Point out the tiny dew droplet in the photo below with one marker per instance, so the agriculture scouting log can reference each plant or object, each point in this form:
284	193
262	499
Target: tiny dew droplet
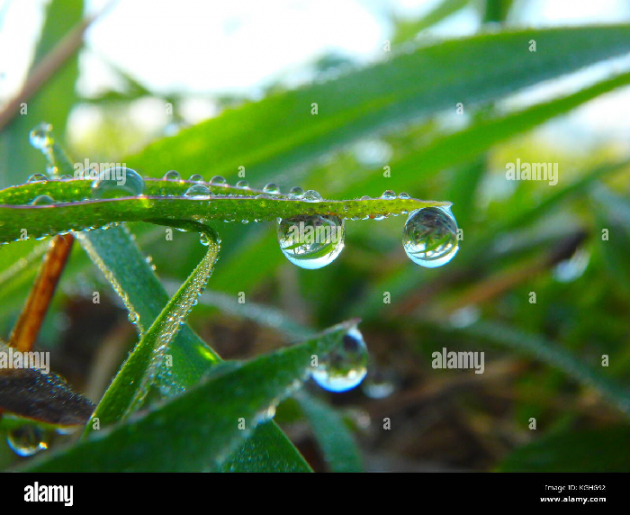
204	239
344	367
430	236
27	440
117	182
404	196
242	184
172	175
296	192
388	195
196	178
41	136
218	180
37	177
43	200
312	196
197	191
311	242
271	188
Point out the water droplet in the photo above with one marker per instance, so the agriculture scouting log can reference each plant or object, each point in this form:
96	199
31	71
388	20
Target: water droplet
197	191
296	192
41	136
117	182
27	440
311	242
196	178
218	180
404	196
430	236
205	240
379	383
172	175
271	188
37	177
344	367
388	195
366	197
312	196
242	184
42	200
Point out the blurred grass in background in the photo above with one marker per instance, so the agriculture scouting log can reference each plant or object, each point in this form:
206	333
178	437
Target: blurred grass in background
519	237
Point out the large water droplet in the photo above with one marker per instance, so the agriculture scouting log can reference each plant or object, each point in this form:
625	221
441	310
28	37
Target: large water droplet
197	191
172	175
41	136
117	182
430	236
311	242
43	200
344	367
27	440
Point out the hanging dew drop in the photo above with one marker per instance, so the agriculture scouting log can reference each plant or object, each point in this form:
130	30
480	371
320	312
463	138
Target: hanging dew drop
172	175
345	367
311	242
43	200
41	136
430	236
197	191
27	440
37	177
117	182
196	178
204	239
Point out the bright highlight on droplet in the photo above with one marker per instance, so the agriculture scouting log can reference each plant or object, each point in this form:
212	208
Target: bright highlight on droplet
311	242
117	182
345	367
430	236
41	136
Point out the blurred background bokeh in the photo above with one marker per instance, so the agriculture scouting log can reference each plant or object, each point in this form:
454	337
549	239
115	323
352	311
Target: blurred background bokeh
149	70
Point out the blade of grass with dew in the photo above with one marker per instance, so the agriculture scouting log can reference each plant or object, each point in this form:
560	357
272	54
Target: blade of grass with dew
197	430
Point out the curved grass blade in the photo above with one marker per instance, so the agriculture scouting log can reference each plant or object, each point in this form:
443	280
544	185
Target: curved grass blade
199	429
131	385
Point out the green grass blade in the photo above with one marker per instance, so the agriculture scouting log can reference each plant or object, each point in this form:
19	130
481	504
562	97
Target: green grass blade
197	429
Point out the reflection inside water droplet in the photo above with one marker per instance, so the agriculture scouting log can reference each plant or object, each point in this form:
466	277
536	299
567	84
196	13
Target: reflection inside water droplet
271	188
117	182
27	440
311	242
172	175
345	367
430	236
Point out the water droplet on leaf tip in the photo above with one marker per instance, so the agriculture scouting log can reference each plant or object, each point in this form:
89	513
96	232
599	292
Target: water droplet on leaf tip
430	236
27	440
345	366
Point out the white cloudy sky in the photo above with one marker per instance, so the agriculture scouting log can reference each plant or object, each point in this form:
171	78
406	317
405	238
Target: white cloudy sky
239	45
